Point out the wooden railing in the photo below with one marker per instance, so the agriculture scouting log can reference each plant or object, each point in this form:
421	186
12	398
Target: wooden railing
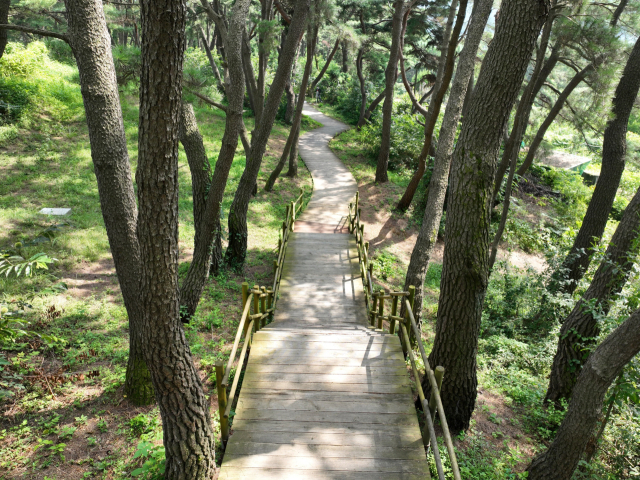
262	301
409	336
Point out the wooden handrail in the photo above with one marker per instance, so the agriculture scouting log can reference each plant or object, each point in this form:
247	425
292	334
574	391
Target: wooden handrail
264	305
375	310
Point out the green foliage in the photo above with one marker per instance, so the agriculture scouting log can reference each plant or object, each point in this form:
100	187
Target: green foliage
154	460
127	61
142	423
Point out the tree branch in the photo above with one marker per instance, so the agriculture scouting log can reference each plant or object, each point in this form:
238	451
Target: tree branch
206	99
35	31
407	87
282	12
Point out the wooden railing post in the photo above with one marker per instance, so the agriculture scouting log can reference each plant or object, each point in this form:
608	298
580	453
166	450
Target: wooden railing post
263	306
394	313
374	308
439	374
222	402
412	296
270	301
380	309
256	305
245	296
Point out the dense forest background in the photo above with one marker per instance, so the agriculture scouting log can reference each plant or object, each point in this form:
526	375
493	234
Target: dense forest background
534	149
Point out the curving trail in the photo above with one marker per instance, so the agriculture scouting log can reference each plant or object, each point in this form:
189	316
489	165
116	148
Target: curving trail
324	396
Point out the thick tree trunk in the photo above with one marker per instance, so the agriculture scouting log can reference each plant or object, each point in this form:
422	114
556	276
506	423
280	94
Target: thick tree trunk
540	73
292	172
250	78
391	74
209	229
315	82
237	249
581	328
291	102
4	19
614	149
417	270
553	113
465	267
91	45
187	433
585	408
292	140
447	62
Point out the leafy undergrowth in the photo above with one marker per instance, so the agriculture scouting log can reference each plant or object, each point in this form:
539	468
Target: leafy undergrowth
62	411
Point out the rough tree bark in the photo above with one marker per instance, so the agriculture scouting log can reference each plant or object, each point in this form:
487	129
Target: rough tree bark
541	71
91	45
580	329
187	434
237	249
193	283
443	79
602	368
294	134
391	75
4	18
316	80
465	266
614	148
200	169
421	254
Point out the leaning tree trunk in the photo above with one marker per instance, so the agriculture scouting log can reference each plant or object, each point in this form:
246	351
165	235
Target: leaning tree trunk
417	270
614	149
391	75
295	128
315	82
581	328
540	73
445	72
193	284
345	57
466	255
237	249
367	113
602	368
91	45
363	88
4	19
292	172
553	113
186	424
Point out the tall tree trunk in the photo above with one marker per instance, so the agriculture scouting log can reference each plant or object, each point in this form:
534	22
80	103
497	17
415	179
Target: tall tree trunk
540	73
345	56
614	150
315	82
421	254
602	368
367	113
4	19
465	267
263	57
91	45
580	329
292	172
447	62
237	249
295	128
363	88
391	74
250	79
187	434
193	283
553	113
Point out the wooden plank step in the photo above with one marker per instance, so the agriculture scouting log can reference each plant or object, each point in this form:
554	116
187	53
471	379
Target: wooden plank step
324	406
303	346
291	474
311	369
327	396
328	362
326	464
369	440
327	378
323	451
328	387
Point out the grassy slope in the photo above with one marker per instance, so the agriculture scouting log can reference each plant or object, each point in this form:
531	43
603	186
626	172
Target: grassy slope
46	163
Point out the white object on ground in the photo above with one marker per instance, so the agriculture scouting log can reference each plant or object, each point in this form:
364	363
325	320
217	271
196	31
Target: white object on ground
55	211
